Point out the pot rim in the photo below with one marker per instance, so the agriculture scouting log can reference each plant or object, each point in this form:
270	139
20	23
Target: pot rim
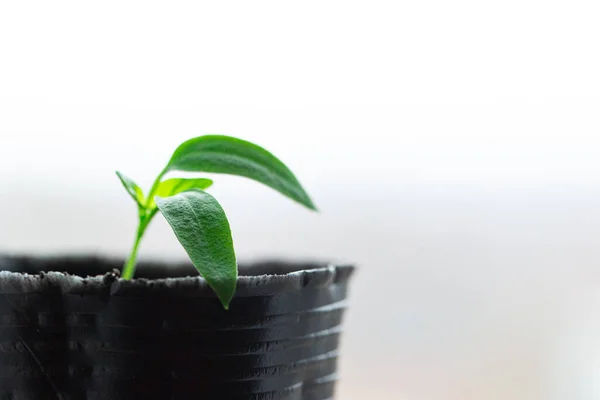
319	276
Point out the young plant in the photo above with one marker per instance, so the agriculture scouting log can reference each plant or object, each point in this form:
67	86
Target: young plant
195	216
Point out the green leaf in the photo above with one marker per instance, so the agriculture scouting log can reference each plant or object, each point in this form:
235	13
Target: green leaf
132	188
228	155
202	228
171	187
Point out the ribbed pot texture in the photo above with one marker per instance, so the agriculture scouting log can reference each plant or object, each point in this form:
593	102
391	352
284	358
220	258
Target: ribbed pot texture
80	332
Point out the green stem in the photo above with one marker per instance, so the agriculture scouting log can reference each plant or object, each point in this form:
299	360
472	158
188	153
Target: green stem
155	186
146	216
129	268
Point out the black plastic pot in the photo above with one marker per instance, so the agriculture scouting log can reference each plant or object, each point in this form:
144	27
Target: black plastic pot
67	337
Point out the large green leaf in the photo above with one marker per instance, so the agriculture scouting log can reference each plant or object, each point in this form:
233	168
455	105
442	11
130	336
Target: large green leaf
228	155
171	187
202	228
132	188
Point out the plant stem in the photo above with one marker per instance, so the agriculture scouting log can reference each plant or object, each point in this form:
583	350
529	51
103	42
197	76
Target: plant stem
146	215
155	186
129	268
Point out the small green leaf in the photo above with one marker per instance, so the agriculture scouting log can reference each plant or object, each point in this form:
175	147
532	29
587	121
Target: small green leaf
171	187
228	155
132	188
201	226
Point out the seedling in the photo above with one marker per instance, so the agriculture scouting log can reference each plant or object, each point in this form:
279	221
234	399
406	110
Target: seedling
197	219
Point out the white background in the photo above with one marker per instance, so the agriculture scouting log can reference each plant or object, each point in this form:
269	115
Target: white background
452	148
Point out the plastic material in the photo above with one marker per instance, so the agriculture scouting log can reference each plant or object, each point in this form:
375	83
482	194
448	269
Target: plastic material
63	336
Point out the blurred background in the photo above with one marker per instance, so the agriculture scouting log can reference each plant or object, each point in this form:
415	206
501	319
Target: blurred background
452	148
